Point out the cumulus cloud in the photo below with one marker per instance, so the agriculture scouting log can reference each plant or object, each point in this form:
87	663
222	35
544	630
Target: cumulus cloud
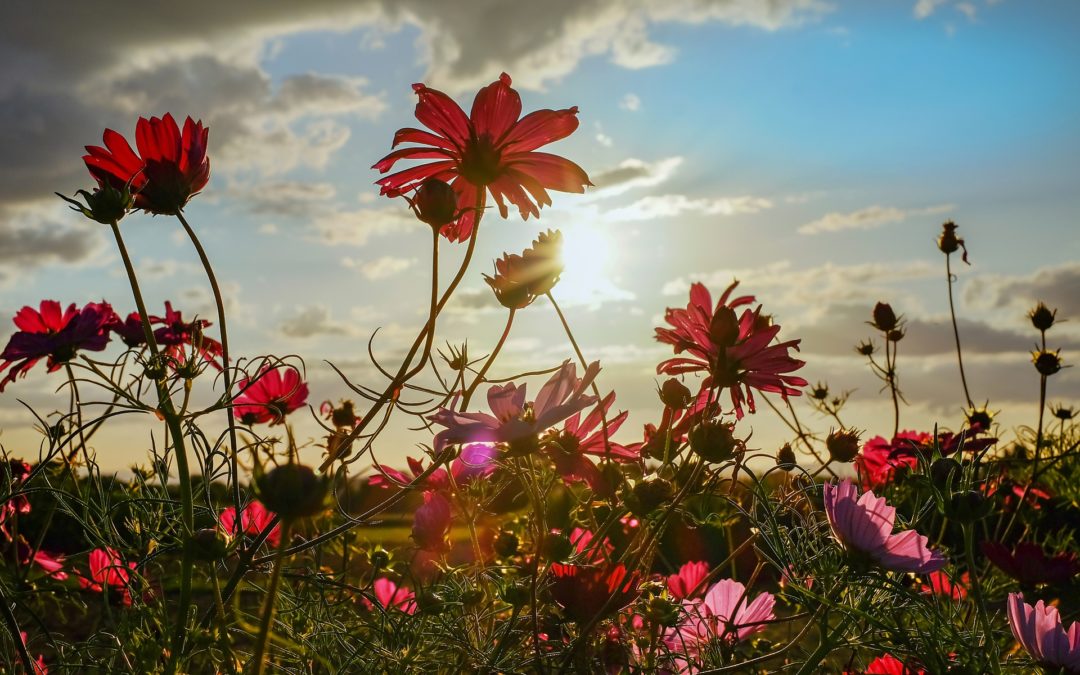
924	8
287	198
631	102
30	240
1058	286
632	174
380	268
356	227
313	321
669	206
869	218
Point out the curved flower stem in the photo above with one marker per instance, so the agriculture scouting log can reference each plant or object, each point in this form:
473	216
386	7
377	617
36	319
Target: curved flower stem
404	373
226	374
270	605
16	634
825	645
956	330
76	404
172	421
487	364
890	374
980	603
585	364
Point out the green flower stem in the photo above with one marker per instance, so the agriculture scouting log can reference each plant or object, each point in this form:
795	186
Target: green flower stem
980	602
490	360
226	374
172	421
270	605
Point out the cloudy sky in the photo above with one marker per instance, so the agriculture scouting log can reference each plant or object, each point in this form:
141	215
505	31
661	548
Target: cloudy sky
809	148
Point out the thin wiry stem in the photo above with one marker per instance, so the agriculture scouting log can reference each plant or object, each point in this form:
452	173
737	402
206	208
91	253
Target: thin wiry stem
487	364
956	330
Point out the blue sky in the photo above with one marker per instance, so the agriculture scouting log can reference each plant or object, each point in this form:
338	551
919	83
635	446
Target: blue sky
811	149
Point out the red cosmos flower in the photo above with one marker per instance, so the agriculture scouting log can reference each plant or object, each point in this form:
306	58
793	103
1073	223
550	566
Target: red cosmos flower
107	568
271	395
175	334
881	459
887	664
1029	564
490	150
54	334
584	590
254	517
736	352
569	447
939	583
170	169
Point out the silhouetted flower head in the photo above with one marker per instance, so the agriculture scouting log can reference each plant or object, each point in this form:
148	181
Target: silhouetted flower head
271	395
489	150
49	332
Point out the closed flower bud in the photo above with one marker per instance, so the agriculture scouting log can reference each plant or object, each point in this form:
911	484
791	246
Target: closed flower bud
967	507
506	544
843	445
1064	413
820	391
435	203
895	335
292	491
516	594
1042	317
430	602
884	317
379	558
943	471
675	394
1046	362
979	419
209	544
557	547
866	348
785	458
715	441
106	204
648	495
660	610
948	243
471	597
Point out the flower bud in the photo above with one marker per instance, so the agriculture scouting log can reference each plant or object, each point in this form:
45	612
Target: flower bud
866	348
785	458
292	491
979	419
471	597
506	544
967	507
515	594
948	243
557	547
106	204
715	441
843	445
675	394
435	203
430	602
379	558
1042	317
895	335
820	392
1046	362
1062	413
944	470
209	544
884	317
661	610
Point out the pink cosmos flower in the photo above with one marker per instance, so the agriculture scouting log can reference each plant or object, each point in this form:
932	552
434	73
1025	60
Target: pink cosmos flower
51	564
253	519
271	395
431	522
887	664
391	596
490	150
16	504
734	351
55	334
865	524
173	336
107	568
476	461
1039	630
727	612
513	420
686	584
568	448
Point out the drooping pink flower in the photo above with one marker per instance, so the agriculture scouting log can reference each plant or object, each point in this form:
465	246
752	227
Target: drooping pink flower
391	596
475	462
940	583
727	612
431	522
170	169
17	503
253	519
513	420
52	564
864	524
736	352
686	583
271	395
107	569
1039	631
1030	565
57	335
584	591
490	150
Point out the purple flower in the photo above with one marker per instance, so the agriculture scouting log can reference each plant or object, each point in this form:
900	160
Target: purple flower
56	335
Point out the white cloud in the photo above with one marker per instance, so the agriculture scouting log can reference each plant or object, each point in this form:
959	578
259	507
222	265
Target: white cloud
967	9
603	139
924	8
380	268
313	321
670	206
632	174
869	218
357	226
631	102
1058	286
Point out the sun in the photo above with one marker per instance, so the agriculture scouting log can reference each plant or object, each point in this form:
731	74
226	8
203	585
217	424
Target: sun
588	256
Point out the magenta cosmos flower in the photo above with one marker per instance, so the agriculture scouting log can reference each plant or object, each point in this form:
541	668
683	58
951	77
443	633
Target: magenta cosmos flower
687	582
254	517
54	334
107	569
391	596
170	169
513	420
569	448
1039	630
864	524
476	461
727	612
173	336
735	351
489	150
271	395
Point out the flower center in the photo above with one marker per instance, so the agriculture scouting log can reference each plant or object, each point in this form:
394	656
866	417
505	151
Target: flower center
480	161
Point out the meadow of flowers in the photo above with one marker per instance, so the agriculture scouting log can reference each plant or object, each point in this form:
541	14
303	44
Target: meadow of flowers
539	530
